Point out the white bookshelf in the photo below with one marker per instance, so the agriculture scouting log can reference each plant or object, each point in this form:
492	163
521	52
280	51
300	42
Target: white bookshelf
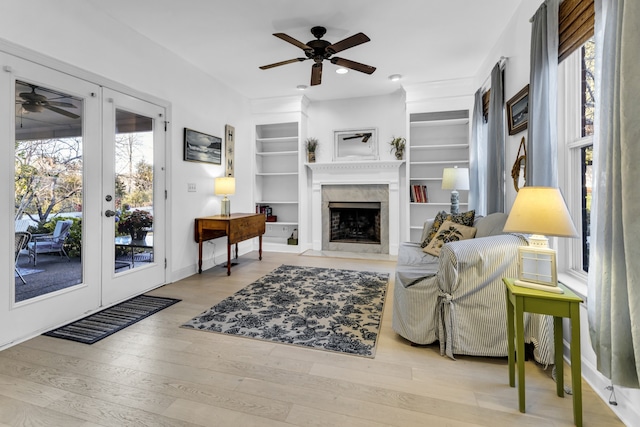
437	140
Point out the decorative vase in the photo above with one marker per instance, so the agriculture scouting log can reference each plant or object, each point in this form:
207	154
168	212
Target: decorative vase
311	156
138	234
399	154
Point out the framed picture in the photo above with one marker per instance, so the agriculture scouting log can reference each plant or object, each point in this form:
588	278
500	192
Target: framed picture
356	144
200	147
230	138
518	111
537	265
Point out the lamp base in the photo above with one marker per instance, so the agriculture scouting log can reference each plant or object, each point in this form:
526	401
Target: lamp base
455	205
225	207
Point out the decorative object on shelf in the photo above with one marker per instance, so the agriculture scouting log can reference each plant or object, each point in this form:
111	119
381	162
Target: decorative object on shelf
455	179
518	111
519	169
200	147
137	223
225	186
293	240
230	143
397	145
311	144
356	144
539	211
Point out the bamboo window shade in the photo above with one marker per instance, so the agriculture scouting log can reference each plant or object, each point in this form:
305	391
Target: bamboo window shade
576	20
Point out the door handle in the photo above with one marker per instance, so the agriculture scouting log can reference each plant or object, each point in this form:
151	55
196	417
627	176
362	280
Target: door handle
109	213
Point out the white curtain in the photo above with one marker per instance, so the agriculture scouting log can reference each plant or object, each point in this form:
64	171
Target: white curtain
542	141
614	268
477	159
495	184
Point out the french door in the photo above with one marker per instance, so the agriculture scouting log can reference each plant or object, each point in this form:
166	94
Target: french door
133	200
68	137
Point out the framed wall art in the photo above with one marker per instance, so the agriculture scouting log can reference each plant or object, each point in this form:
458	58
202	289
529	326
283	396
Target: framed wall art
518	111
356	144
229	145
200	147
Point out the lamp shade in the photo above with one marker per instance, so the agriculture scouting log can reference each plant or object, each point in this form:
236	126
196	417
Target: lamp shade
455	179
540	210
225	185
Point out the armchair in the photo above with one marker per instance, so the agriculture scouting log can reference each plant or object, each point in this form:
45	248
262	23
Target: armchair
50	243
458	298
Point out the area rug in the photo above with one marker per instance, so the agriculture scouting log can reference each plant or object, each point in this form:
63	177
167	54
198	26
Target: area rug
100	325
322	308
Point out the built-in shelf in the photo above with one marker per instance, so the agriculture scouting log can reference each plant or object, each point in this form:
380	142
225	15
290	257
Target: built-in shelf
277	173
437	140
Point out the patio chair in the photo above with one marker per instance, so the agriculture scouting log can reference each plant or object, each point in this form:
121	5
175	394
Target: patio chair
22	239
50	243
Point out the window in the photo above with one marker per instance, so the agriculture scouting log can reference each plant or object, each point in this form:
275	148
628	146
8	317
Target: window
575	139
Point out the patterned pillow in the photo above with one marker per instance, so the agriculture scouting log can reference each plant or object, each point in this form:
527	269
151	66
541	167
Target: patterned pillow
464	218
448	232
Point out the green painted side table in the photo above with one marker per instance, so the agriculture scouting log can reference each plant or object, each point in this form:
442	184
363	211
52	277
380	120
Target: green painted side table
520	300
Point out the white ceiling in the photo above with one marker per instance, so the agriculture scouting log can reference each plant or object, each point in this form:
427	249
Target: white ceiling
423	40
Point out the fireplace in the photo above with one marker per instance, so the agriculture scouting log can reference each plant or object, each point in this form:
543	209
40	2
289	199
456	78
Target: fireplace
356	182
355	222
355	218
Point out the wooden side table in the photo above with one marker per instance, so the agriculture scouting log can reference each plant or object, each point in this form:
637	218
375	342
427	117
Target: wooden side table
519	300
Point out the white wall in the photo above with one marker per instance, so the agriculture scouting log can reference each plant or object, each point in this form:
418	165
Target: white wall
77	34
515	45
386	113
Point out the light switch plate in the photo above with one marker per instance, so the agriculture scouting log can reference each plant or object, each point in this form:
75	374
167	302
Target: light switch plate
191	187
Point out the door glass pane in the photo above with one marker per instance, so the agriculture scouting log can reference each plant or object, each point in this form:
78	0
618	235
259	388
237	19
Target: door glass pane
133	190
48	190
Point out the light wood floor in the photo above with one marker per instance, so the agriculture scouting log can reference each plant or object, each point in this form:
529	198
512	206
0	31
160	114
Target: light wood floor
155	373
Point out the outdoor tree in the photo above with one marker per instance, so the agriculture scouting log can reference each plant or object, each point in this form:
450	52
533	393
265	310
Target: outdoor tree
48	177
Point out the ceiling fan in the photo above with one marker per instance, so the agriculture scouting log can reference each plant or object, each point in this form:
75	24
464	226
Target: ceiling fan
319	50
33	102
365	136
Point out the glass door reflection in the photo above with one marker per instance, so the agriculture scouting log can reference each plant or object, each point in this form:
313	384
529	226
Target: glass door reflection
48	190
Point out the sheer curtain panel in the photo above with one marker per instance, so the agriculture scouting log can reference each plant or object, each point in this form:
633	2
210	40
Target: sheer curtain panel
542	141
477	158
614	272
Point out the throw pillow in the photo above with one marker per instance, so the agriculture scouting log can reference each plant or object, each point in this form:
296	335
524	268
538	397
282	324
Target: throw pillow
449	232
464	218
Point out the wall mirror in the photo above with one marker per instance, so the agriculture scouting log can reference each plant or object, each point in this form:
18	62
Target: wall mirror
355	144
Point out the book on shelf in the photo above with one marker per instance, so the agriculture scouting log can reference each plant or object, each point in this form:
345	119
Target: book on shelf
419	194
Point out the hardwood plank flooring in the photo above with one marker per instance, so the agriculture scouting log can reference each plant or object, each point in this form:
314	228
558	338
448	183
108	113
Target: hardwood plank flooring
155	373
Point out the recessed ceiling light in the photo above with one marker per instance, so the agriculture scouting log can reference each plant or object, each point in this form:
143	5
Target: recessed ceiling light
395	77
301	87
342	70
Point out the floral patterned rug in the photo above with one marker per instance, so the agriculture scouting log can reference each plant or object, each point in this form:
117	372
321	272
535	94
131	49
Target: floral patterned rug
323	308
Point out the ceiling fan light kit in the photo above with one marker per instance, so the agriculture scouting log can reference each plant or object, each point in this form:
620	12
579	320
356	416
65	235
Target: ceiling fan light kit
318	50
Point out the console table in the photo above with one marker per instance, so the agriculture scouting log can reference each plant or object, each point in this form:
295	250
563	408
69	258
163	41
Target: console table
237	227
567	304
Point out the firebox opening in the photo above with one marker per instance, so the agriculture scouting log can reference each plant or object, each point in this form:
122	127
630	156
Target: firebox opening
355	222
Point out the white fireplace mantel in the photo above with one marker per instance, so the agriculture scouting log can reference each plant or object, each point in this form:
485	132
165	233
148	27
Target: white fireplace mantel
356	173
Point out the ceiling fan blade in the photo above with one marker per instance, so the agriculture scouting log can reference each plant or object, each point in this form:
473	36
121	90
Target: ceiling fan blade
363	68
61	104
277	64
61	111
316	74
352	41
293	41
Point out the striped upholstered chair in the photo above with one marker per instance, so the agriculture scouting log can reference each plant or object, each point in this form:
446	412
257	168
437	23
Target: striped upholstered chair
458	298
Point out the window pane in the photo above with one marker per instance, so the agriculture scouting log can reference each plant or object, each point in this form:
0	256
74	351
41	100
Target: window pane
588	86
587	174
48	190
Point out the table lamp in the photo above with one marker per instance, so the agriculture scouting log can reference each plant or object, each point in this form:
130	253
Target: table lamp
539	211
225	186
455	179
